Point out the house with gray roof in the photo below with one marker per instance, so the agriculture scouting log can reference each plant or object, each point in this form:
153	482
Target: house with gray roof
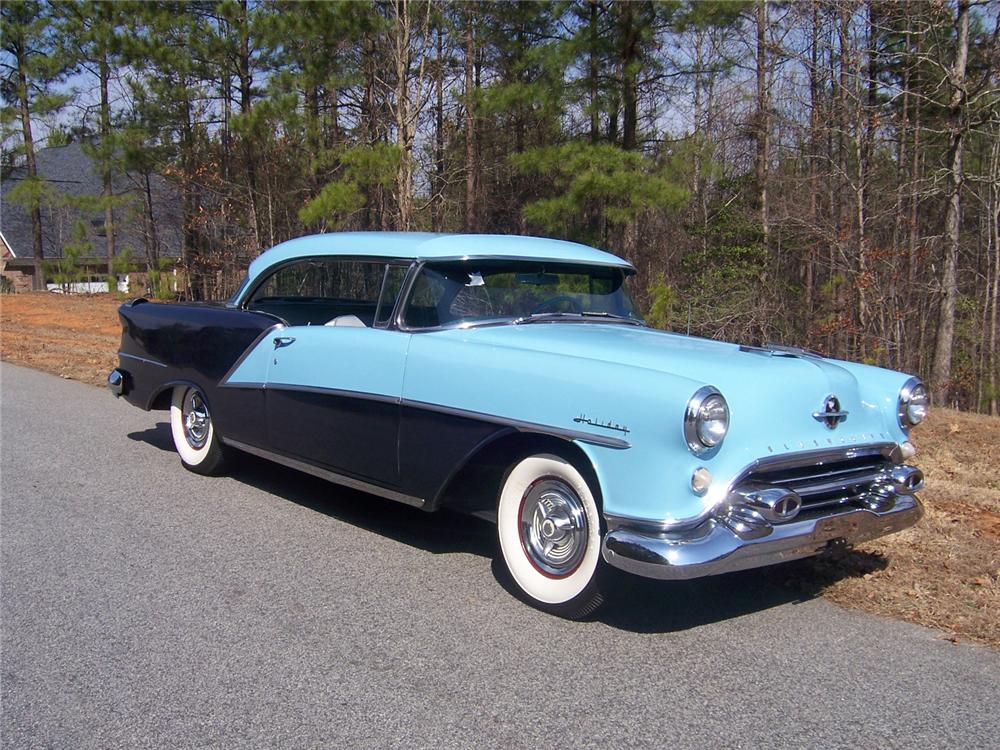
148	218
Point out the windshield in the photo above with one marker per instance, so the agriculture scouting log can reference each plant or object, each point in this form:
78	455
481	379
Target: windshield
490	291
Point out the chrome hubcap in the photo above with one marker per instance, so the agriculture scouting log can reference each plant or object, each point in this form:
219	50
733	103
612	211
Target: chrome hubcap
553	527
196	420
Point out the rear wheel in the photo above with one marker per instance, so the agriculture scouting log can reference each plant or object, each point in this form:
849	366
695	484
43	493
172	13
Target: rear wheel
549	530
194	434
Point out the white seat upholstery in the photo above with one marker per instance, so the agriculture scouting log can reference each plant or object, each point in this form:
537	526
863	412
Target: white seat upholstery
351	321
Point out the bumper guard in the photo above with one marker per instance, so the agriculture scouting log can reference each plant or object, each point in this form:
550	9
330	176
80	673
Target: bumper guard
713	547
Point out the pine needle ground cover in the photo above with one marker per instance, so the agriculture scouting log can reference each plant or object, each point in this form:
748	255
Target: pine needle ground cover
943	573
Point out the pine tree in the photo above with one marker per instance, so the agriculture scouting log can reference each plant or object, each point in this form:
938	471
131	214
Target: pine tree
33	63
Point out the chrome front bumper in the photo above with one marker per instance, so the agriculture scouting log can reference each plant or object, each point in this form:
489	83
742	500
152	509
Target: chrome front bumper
713	547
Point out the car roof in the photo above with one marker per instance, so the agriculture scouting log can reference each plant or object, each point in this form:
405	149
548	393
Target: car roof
428	246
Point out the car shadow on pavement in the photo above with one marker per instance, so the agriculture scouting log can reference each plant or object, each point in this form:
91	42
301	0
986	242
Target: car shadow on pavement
633	604
444	532
158	436
643	605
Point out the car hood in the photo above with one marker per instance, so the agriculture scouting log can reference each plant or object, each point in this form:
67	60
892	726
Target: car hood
760	383
709	362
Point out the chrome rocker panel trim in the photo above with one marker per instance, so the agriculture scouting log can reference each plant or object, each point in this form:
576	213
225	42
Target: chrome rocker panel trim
330	476
712	548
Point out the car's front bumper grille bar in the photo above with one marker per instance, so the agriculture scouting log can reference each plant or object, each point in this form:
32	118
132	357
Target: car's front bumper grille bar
781	508
713	547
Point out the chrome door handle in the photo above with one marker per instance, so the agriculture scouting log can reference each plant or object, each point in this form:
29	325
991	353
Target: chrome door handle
280	341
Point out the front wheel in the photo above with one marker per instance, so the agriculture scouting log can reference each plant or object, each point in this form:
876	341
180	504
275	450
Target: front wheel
194	434
550	536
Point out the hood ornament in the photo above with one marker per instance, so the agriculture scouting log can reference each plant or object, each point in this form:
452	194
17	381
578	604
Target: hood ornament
831	415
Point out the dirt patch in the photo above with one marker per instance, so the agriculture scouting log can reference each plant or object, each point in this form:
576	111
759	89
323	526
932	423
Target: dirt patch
944	572
73	336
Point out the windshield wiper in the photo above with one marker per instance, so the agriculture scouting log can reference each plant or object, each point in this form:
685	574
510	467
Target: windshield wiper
543	317
551	316
613	316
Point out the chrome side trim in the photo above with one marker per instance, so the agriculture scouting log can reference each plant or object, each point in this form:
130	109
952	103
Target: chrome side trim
251	384
363	395
520	426
141	359
246	353
712	548
330	476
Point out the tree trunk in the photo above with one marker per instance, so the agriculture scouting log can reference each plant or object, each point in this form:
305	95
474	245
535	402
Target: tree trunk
814	103
246	105
993	215
38	279
630	93
437	197
403	53
107	154
763	120
471	163
941	371
900	333
592	72
152	236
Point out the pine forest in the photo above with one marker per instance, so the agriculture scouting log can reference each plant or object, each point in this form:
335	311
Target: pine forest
820	173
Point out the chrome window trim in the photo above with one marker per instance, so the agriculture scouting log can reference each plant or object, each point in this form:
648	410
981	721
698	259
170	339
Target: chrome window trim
390	320
251	287
418	266
624	265
330	476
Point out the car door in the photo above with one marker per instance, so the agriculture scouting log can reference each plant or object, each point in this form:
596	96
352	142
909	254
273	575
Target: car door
333	374
332	398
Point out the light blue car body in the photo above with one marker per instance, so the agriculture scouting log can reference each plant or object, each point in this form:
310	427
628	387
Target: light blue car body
620	390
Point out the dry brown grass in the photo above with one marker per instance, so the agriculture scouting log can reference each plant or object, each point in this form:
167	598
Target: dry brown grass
944	572
73	336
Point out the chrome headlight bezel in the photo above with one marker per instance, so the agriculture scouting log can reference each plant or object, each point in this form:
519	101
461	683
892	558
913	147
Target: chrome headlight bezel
913	389
695	419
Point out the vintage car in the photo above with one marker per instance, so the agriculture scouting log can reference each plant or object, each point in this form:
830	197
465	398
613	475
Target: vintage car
512	378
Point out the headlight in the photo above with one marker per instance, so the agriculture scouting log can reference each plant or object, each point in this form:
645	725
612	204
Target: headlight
706	420
913	403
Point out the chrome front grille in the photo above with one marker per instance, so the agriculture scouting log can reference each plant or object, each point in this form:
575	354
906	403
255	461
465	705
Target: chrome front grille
831	481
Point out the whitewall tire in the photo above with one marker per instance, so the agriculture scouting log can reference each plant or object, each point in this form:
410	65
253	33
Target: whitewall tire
194	435
550	535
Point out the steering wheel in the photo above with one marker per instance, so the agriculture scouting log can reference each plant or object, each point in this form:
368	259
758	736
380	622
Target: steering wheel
556	301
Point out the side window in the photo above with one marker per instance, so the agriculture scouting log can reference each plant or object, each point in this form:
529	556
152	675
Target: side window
422	306
319	290
391	285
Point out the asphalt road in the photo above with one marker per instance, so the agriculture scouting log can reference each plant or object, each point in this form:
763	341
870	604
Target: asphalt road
145	606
